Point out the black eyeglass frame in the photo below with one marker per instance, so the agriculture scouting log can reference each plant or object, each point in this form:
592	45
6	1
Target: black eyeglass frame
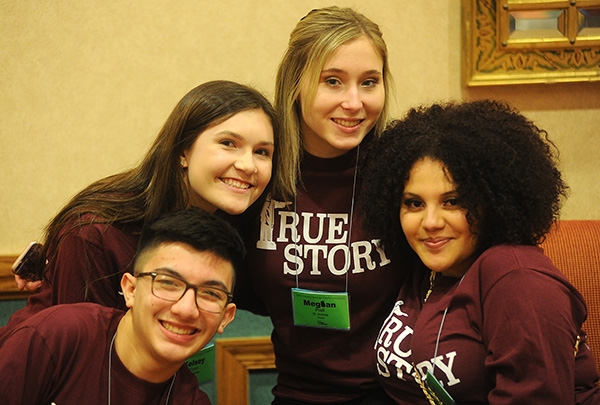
154	274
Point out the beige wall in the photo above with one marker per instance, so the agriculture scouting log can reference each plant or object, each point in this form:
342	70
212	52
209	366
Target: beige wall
85	86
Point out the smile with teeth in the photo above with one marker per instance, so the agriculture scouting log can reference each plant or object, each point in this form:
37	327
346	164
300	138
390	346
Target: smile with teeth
347	123
179	331
237	183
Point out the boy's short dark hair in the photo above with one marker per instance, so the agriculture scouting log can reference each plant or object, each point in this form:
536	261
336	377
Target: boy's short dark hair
198	229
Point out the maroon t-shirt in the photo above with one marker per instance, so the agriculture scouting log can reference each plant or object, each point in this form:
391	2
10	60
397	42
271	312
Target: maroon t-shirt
314	364
86	267
60	355
508	335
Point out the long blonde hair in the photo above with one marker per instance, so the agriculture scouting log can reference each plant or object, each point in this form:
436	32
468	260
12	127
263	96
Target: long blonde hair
314	39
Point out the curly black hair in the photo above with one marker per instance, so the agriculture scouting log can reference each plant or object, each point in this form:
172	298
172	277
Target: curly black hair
504	168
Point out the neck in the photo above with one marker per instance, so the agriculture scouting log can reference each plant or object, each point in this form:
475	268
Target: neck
135	357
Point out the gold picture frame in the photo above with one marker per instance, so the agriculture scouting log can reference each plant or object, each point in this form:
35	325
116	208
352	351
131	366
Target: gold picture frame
235	358
525	41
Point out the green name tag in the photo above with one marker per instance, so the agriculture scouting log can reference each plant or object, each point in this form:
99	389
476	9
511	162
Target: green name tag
202	364
320	309
439	393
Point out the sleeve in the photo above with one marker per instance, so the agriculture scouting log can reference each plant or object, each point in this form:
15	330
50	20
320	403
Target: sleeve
530	333
27	368
87	266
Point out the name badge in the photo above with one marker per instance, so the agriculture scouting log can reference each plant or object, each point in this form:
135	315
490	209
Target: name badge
439	394
320	309
202	364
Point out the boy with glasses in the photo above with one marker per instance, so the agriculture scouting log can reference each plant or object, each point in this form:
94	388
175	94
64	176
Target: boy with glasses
178	298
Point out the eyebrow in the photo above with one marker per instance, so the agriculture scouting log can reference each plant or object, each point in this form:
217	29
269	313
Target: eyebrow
413	195
240	137
338	70
208	283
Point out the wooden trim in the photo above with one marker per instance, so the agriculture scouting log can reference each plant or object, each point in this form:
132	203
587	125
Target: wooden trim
236	357
8	288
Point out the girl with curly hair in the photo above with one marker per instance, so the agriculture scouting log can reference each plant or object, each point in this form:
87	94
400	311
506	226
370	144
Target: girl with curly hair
469	190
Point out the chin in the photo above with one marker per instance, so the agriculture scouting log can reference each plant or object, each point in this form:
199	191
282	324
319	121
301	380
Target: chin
234	210
349	144
435	266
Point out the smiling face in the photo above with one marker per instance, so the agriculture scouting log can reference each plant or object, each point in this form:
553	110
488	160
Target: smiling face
229	165
157	336
349	99
433	221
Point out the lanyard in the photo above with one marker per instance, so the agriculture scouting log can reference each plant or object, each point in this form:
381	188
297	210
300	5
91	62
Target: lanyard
349	229
433	390
322	309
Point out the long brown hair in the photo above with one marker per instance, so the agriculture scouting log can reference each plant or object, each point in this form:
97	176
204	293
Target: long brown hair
157	185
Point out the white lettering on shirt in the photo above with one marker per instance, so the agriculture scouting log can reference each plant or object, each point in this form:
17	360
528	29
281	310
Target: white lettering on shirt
393	348
324	239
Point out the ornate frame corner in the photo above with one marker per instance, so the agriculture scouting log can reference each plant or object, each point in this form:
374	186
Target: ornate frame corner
235	358
492	57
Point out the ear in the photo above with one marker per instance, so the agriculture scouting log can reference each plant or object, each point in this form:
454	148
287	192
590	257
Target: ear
228	316
183	161
128	285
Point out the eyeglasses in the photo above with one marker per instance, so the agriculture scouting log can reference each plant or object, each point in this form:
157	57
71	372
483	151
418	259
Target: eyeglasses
171	288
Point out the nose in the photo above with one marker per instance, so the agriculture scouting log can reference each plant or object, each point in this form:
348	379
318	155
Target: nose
245	162
433	219
186	307
352	99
